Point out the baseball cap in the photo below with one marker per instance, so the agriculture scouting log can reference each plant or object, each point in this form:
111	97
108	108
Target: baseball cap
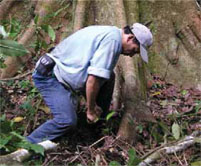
144	36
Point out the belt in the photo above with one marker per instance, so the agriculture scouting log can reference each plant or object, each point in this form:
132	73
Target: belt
76	93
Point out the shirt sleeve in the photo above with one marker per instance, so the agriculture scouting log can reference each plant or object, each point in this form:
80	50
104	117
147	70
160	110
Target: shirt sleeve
104	59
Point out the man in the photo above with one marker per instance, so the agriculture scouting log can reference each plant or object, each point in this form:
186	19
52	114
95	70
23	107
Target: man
83	63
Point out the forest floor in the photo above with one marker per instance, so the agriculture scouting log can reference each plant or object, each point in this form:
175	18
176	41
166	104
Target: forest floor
177	111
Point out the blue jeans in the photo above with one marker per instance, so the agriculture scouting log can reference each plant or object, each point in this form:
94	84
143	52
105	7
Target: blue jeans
63	105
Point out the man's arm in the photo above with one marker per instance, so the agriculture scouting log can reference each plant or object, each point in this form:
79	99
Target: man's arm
92	88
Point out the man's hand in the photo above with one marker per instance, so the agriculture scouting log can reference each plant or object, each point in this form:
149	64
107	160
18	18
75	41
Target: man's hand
94	115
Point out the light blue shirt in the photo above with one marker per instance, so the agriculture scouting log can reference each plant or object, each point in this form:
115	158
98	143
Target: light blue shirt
92	50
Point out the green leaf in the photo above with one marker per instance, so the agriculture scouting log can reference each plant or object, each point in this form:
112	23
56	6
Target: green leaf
37	149
3	117
197	140
4	141
17	135
197	163
114	163
133	159
6	127
15	28
176	131
50	31
198	106
12	48
164	127
184	92
140	128
110	115
34	147
36	19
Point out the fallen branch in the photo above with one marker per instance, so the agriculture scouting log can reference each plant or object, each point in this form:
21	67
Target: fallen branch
181	145
17	77
23	154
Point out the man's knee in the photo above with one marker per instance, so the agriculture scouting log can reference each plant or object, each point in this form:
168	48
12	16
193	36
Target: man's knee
66	122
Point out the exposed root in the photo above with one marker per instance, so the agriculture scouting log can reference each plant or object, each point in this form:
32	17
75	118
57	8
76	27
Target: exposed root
116	98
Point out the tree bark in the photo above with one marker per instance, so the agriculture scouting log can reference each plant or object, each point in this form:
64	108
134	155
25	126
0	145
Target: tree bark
175	54
80	14
135	109
5	5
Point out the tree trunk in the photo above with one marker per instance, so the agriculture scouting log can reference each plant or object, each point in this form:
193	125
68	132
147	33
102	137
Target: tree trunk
175	54
80	14
135	109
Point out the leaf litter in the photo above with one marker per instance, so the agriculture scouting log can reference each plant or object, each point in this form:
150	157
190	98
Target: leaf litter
178	113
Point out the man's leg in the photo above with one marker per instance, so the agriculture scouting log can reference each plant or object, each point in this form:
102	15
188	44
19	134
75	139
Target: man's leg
105	95
62	104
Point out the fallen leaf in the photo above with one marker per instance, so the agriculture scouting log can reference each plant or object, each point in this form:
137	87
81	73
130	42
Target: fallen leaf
197	163
156	93
176	131
18	119
45	109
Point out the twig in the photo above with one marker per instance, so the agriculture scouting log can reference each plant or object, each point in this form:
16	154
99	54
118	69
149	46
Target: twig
48	163
97	141
36	116
81	157
152	151
17	77
186	163
198	5
178	159
75	158
25	132
128	145
46	160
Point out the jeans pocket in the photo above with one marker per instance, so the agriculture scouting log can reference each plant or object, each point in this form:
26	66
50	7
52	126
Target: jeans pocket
41	81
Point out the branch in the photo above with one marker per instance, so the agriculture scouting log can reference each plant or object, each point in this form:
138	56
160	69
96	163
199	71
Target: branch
17	77
23	154
181	145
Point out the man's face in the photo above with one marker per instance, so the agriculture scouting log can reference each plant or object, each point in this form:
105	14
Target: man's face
131	46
